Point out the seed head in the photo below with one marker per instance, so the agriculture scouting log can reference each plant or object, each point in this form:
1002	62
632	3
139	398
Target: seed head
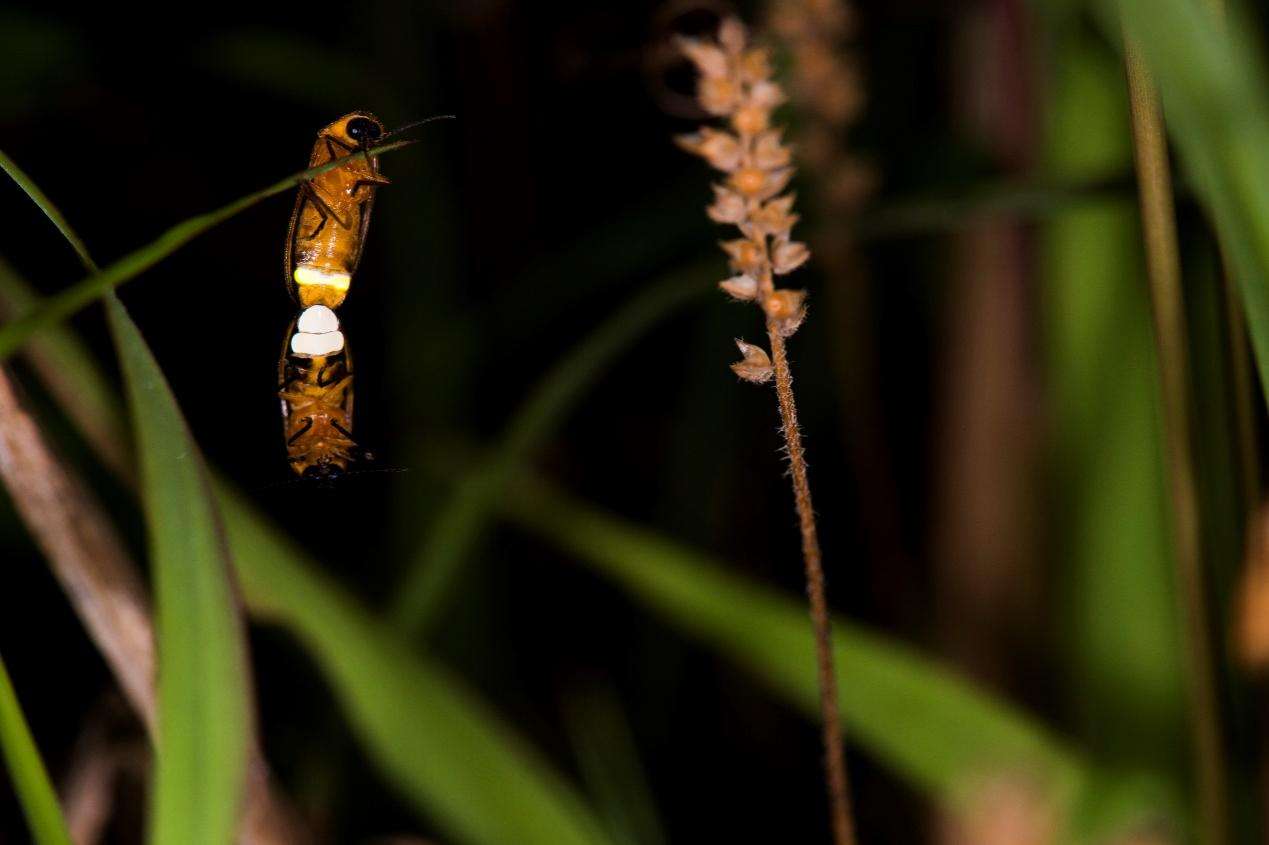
735	84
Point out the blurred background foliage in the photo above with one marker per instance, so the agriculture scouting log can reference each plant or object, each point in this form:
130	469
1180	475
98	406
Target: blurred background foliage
569	607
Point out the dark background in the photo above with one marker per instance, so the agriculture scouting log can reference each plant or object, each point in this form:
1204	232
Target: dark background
505	238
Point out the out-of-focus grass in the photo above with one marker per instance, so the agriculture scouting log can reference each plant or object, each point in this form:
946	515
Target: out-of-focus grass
26	770
609	761
203	672
85	394
452	536
1212	79
447	753
935	729
1120	613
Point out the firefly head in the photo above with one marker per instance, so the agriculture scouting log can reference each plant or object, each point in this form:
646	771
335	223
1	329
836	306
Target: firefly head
362	129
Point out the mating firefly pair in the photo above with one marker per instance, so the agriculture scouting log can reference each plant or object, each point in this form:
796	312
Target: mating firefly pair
323	249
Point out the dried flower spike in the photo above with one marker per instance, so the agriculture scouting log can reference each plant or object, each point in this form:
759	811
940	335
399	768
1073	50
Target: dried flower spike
736	84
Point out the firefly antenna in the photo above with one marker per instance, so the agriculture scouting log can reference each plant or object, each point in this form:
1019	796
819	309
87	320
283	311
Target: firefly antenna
409	126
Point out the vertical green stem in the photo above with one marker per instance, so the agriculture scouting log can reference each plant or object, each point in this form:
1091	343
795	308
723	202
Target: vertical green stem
1164	270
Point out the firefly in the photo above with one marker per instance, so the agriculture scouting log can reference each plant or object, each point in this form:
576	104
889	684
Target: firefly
315	385
332	212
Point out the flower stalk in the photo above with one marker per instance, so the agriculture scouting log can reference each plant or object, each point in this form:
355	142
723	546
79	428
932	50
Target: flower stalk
735	84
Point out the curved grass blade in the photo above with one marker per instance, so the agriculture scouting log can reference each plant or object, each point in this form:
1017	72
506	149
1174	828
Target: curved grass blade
62	359
61	305
937	731
205	732
609	761
1212	78
457	529
46	205
72	377
439	744
26	769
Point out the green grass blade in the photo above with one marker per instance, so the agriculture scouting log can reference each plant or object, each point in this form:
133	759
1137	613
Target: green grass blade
71	375
938	732
63	361
609	761
26	769
46	205
60	306
442	747
457	529
204	721
1212	80
1105	459
934	729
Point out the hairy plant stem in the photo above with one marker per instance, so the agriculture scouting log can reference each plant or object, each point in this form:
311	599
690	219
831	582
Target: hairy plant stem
1158	221
830	713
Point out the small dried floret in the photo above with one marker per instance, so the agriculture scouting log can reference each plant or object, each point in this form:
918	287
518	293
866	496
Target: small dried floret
776	181
710	60
768	152
746	256
718	95
775	217
786	309
755	366
788	256
750	181
766	94
721	149
728	207
732	35
741	287
751	119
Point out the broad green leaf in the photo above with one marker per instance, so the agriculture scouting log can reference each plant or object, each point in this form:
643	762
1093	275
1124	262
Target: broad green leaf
204	721
455	532
65	303
439	744
26	770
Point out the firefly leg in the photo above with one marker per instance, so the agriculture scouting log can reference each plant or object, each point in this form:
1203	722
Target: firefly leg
321	377
308	423
373	182
323	208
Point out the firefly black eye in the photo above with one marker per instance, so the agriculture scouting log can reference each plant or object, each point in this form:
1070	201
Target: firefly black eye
363	129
